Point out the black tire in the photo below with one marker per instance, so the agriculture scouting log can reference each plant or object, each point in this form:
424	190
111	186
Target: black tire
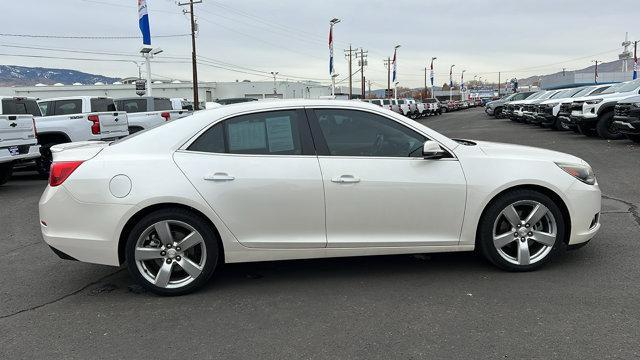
492	214
606	128
43	163
444	110
634	138
6	170
557	125
192	219
586	130
498	113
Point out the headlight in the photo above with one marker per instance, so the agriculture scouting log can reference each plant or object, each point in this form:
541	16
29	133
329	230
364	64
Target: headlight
636	104
583	173
552	105
593	102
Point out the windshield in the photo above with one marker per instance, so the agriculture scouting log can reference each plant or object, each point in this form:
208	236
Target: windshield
584	91
20	106
629	86
537	95
613	89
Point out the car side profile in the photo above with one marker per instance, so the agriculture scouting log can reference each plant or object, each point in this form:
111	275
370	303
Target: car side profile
300	179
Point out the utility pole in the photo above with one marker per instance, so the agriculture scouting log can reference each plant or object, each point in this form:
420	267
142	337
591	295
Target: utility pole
387	63
194	28
274	73
349	55
362	61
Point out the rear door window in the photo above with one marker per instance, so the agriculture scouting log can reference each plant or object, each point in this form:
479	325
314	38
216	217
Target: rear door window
102	105
67	107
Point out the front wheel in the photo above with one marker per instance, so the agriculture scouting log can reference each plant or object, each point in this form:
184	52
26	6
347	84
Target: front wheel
172	252
521	231
5	172
607	129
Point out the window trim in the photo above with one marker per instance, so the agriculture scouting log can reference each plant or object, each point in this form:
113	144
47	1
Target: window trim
323	150
306	140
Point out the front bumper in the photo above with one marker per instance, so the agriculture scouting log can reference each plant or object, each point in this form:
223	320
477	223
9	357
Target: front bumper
29	152
84	231
489	111
627	125
584	203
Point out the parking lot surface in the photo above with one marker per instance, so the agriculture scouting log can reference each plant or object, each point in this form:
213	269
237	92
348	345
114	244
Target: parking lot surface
582	305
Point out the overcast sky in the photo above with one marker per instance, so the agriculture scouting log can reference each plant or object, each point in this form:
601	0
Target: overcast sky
516	37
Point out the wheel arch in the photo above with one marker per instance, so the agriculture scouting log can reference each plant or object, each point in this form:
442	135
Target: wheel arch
606	108
557	199
53	136
122	240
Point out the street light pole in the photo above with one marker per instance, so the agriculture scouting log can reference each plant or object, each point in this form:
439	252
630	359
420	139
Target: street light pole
274	74
451	83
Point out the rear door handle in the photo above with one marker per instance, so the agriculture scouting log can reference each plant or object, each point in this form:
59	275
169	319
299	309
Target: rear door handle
346	179
219	176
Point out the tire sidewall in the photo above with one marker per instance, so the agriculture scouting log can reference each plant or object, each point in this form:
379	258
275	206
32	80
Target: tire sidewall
603	127
485	229
188	217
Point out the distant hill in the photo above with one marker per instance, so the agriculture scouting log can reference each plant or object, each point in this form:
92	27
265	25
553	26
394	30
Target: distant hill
11	75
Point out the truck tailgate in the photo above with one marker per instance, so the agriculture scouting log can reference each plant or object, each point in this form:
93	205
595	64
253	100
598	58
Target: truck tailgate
113	124
16	130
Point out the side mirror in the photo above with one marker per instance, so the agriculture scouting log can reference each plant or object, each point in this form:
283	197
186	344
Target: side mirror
432	150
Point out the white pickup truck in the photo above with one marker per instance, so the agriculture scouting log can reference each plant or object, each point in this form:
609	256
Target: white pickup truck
79	118
147	112
18	142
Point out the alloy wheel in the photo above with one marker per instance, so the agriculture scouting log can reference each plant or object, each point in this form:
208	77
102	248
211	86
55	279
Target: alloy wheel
524	232
170	254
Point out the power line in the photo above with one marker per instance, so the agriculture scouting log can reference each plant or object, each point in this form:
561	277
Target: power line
87	37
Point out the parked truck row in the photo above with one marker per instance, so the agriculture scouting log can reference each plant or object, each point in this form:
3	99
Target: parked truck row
610	111
30	128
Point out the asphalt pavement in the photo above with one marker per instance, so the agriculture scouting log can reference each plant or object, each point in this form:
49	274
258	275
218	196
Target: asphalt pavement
584	305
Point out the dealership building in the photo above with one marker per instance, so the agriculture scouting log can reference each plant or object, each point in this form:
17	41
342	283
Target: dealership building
208	91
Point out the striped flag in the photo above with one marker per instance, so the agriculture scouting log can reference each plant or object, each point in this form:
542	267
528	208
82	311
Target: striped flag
635	60
394	66
462	81
331	50
143	20
432	74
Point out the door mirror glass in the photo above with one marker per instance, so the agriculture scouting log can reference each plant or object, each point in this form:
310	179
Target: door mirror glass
432	150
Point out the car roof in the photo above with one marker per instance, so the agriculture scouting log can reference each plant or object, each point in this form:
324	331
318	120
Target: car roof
84	97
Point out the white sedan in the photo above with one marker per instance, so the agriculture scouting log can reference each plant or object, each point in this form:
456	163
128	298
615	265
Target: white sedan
264	181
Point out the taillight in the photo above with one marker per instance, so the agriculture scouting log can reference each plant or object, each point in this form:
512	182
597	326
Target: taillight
35	130
165	116
95	126
60	171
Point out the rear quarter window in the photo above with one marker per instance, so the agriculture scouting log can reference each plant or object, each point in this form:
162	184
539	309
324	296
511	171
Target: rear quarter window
161	104
67	107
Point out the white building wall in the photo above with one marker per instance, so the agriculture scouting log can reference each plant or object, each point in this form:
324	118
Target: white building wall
208	91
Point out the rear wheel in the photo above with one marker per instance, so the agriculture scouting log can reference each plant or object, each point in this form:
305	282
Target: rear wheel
607	129
521	230
5	172
43	164
172	252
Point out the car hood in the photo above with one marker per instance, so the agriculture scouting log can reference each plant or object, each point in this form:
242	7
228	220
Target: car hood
512	151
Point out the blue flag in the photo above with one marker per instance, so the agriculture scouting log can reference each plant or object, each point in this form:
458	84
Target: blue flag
143	19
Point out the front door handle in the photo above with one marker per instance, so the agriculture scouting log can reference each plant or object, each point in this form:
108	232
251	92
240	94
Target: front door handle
219	176
346	179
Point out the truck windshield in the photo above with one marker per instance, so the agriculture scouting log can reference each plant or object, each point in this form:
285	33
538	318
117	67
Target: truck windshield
20	106
102	105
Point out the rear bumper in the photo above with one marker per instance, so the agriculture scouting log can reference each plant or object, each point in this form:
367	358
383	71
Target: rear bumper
83	231
33	152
